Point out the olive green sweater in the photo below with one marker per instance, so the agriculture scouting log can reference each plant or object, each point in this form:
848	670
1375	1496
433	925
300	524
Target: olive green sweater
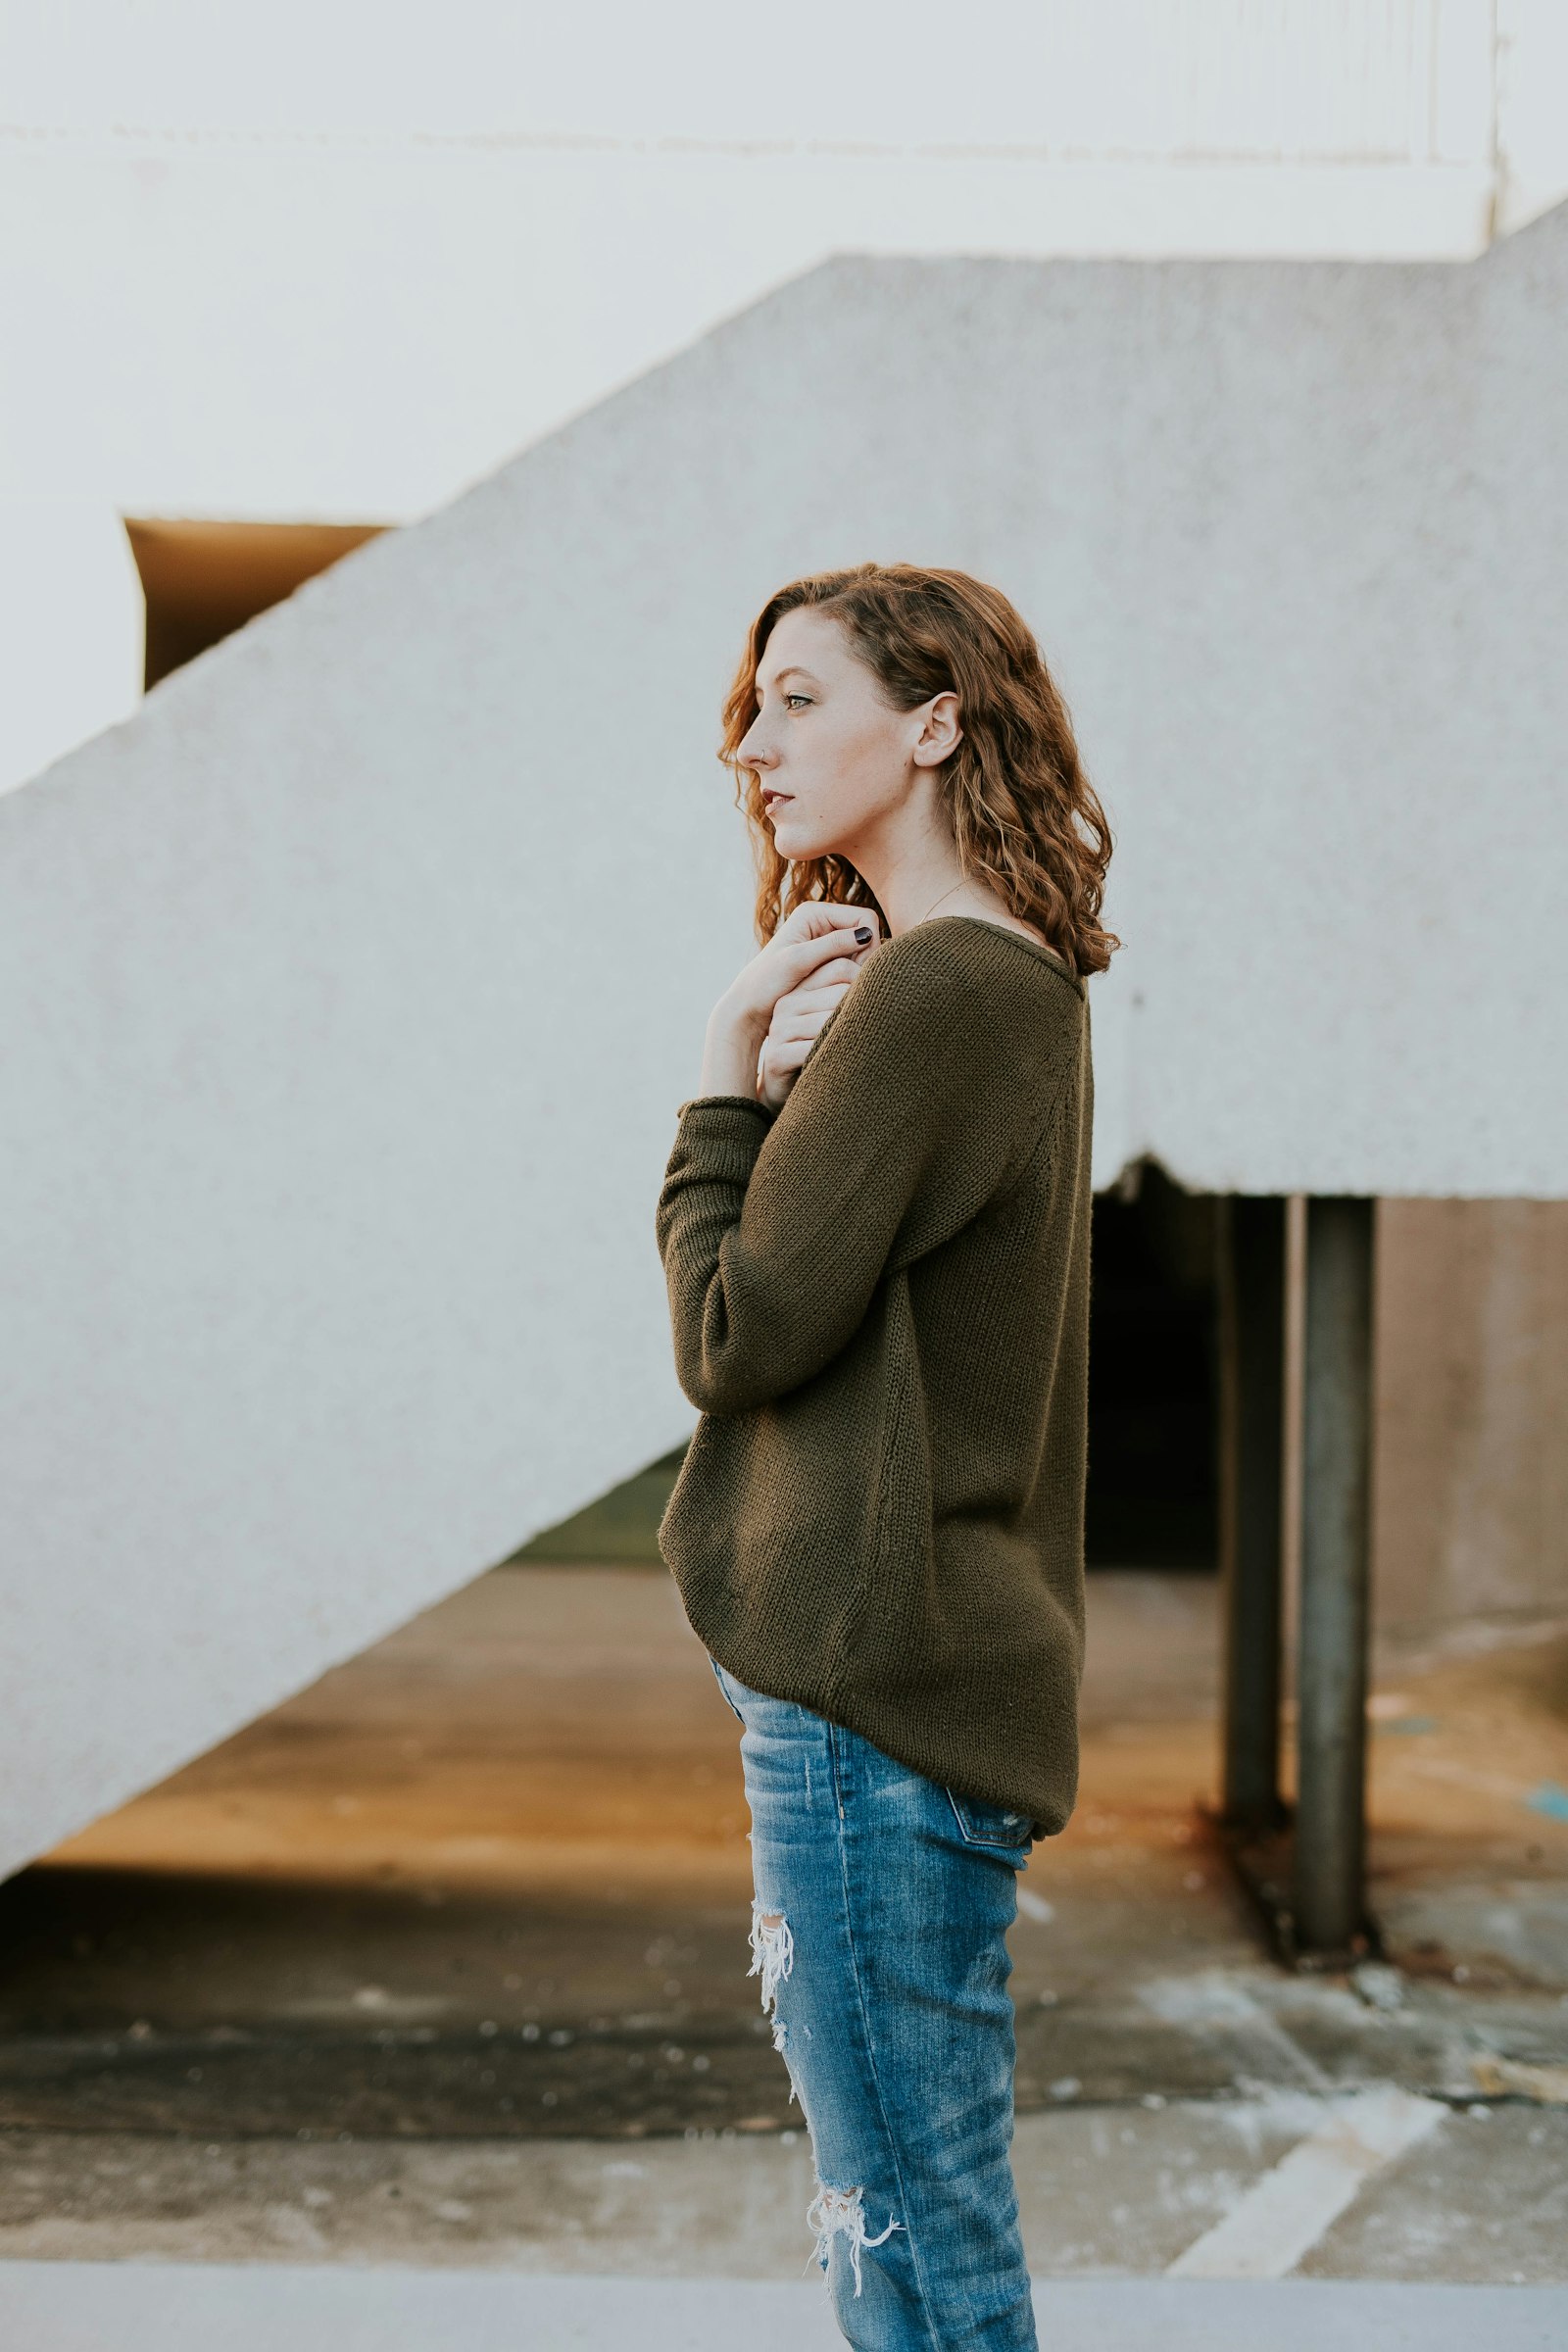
880	1305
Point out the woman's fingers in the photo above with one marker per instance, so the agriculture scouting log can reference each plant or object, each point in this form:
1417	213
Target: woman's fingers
820	1001
818	975
805	959
820	916
822	947
839	973
825	986
788	1054
804	1029
781	1062
793	1019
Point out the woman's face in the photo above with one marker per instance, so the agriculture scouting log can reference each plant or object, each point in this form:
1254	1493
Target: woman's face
834	761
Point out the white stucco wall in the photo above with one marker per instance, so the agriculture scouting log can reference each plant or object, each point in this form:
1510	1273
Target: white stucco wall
71	626
340	1059
338	259
347	992
1531	118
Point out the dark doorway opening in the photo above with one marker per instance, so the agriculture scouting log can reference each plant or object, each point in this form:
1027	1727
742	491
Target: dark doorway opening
203	580
1152	1379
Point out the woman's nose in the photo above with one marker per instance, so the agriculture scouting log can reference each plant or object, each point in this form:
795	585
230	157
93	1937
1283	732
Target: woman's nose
755	749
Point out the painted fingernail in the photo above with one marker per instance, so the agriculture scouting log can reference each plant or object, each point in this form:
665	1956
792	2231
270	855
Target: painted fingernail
862	935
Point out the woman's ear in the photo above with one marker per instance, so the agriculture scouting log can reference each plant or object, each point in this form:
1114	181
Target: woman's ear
939	732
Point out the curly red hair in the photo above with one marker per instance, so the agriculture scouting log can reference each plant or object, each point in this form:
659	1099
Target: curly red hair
1024	815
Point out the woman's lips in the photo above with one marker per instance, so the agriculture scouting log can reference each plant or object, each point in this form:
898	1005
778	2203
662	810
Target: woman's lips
772	799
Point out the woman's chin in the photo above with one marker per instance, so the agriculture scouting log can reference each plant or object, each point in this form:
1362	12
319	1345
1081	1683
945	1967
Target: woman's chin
795	841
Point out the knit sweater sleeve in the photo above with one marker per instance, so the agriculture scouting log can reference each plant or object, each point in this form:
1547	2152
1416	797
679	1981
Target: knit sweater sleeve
775	1232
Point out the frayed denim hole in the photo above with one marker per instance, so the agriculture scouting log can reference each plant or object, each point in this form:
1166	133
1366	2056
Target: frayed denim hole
772	1959
841	2212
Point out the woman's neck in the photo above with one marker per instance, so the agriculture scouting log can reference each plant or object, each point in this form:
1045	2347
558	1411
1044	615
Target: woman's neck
910	898
912	891
911	865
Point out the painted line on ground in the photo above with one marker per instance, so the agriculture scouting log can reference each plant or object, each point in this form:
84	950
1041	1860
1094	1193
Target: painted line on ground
1282	2216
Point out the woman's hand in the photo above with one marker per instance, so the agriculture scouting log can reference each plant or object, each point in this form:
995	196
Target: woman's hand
817	936
798	1020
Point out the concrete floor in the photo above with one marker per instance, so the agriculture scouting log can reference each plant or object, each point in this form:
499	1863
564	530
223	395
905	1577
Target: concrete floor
73	2308
442	1965
1105	2192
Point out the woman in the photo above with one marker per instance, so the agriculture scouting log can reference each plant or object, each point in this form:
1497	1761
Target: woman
875	1230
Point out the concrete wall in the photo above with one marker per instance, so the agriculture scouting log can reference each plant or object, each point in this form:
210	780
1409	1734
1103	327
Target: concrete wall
1471	1499
347	992
332	261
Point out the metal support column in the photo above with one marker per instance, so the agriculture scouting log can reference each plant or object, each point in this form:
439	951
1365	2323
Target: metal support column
1328	1897
1251	1324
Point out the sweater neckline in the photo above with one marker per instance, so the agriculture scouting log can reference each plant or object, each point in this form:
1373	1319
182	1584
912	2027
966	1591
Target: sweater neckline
1030	946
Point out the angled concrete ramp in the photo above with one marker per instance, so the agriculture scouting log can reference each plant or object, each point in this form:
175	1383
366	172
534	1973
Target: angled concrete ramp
347	992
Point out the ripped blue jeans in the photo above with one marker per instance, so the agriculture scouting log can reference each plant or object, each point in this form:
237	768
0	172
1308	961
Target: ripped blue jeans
879	1933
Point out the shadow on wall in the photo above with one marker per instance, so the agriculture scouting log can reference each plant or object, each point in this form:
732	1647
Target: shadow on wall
1151	1403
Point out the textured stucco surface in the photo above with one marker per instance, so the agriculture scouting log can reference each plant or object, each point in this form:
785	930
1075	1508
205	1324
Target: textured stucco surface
347	992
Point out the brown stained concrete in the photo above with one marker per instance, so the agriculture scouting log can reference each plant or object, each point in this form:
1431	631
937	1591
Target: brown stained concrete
490	1882
1469	1780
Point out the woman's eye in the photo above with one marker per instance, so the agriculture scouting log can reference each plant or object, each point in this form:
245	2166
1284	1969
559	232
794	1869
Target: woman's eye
790	700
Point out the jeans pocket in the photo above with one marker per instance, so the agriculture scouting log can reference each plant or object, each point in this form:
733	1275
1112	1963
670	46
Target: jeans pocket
980	1824
718	1676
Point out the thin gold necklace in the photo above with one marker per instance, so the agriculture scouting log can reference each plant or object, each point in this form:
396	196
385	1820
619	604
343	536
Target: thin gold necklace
936	902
